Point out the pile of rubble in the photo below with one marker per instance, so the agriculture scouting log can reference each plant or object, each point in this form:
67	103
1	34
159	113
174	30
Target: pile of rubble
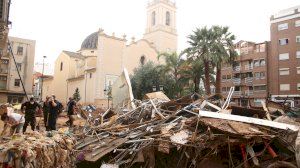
188	132
37	150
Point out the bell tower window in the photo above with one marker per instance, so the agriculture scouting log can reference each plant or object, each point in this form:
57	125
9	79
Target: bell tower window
168	19
153	18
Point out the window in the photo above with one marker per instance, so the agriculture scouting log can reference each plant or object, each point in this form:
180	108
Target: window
257	102
283	26
284	56
298	54
262	48
298	86
20	50
298	70
256	63
142	60
297	39
262	62
284	71
153	18
262	75
228	76
260	88
61	66
224	77
92	51
19	66
284	87
168	19
91	75
297	23
257	75
284	41
17	82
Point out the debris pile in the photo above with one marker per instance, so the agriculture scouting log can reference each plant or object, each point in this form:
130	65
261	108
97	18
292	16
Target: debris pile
188	132
37	150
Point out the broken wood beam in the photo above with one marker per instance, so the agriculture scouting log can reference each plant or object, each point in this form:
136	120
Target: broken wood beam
249	120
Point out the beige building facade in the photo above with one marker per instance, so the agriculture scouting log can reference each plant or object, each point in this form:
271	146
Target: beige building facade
11	89
102	58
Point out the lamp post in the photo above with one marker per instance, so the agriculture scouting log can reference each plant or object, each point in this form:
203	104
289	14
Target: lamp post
44	57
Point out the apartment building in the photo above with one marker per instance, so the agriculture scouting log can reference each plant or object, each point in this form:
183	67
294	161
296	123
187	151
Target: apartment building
284	59
4	25
248	74
11	89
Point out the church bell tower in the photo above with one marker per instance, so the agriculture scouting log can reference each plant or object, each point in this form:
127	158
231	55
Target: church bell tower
161	25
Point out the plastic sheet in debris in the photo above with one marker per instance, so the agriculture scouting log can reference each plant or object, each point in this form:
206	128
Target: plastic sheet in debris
180	137
109	166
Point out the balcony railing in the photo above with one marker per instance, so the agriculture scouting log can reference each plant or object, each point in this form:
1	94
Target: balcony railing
248	67
237	93
249	93
236	81
236	68
249	80
3	71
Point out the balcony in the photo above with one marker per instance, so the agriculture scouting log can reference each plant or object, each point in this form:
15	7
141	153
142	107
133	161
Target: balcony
3	85
236	69
3	71
236	81
248	67
237	93
249	81
249	93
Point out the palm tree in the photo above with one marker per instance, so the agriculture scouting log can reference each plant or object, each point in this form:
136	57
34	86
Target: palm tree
172	68
200	47
193	70
223	51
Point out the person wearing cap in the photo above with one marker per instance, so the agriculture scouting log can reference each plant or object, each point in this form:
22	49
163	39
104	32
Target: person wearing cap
30	108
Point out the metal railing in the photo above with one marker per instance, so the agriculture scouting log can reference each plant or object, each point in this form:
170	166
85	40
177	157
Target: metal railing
248	67
237	93
237	68
249	93
3	71
236	81
249	80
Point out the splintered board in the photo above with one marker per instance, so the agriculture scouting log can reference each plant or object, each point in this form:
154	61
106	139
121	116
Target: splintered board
107	146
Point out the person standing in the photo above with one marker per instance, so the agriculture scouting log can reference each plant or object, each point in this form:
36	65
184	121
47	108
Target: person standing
71	111
46	109
30	108
54	110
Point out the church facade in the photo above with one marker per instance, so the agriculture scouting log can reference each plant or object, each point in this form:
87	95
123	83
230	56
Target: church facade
103	57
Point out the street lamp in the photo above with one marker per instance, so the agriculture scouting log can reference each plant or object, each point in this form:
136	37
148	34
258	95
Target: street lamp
44	57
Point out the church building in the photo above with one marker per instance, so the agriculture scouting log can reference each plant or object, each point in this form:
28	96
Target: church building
102	57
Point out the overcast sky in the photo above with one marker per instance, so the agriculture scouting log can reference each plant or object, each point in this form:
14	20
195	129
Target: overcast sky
58	25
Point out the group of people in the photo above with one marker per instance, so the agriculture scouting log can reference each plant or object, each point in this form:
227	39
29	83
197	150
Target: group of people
51	109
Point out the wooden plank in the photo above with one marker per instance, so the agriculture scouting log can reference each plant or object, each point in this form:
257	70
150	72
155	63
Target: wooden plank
250	120
109	146
266	110
162	116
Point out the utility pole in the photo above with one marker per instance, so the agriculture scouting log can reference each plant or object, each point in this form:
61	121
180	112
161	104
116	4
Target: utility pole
42	84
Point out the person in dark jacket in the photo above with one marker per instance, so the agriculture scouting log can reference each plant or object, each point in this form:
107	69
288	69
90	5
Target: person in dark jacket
30	108
71	111
46	109
54	110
